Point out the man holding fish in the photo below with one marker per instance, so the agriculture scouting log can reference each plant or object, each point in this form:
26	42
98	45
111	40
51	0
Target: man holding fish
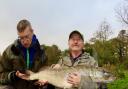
76	57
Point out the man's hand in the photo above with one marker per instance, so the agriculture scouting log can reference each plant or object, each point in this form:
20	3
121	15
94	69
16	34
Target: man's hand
21	75
56	66
74	78
41	82
26	77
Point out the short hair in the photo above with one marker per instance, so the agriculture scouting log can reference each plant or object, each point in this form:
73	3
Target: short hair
22	24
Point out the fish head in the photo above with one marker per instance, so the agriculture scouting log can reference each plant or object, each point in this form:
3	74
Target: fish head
105	76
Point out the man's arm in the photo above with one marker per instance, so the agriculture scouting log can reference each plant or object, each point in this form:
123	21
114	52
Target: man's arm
86	83
93	62
80	81
7	75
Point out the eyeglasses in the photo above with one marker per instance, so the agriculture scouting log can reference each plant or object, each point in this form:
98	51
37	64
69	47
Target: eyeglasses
24	37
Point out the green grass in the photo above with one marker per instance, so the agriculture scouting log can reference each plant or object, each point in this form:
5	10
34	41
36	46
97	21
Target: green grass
120	83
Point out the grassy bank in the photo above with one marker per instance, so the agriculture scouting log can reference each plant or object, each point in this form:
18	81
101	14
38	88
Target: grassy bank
120	83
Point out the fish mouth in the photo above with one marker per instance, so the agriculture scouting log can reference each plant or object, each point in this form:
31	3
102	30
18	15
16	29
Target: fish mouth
103	80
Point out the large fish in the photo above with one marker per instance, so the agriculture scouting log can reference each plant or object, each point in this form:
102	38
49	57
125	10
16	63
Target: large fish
58	77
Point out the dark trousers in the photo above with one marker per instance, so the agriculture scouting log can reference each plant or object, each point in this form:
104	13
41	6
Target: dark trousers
6	87
102	86
49	86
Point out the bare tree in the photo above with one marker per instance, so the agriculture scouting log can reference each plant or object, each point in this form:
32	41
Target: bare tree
122	12
104	31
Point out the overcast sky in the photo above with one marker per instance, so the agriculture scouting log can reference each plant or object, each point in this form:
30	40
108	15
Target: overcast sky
53	20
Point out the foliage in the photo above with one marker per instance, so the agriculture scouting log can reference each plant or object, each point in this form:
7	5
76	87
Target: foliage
52	53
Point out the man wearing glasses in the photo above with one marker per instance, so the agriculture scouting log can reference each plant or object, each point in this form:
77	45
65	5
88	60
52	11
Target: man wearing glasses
24	54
